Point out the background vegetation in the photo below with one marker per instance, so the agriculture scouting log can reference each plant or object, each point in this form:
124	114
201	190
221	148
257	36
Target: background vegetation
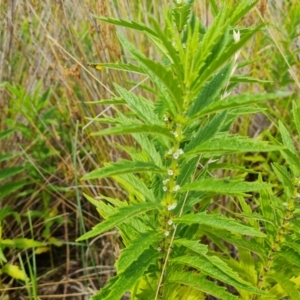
45	146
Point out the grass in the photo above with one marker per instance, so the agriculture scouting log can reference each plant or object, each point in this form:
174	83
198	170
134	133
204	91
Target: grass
45	49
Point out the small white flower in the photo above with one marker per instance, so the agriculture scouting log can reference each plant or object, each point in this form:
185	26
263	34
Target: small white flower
170	152
165	188
176	188
158	249
180	151
166	118
167	233
170	222
170	172
175	133
165	181
172	206
175	155
236	36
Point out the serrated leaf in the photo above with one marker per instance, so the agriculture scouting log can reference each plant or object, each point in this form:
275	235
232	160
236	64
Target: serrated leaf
225	55
219	222
161	76
224	186
233	144
283	176
118	66
126	280
127	24
135	249
123	214
141	106
290	256
192	245
199	282
210	91
237	101
215	268
136	186
136	128
114	101
286	138
123	167
287	285
207	132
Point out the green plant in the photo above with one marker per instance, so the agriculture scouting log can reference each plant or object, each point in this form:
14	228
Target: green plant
173	191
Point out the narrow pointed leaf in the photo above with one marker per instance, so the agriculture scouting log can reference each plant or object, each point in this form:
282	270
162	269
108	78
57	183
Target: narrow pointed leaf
199	282
238	101
233	144
207	132
224	186
135	249
161	76
192	245
126	280
216	269
141	106
219	222
296	115
123	167
128	24
123	214
118	66
138	128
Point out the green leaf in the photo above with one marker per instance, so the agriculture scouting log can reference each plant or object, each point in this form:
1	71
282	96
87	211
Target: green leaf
283	176
6	156
241	9
119	66
126	280
216	268
207	132
6	133
162	77
286	138
111	101
128	24
136	248
211	90
9	172
237	101
224	186
123	214
136	187
296	116
143	108
288	286
293	161
11	187
225	55
201	283
123	167
246	79
290	256
137	128
218	222
181	13
232	144
21	243
192	245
